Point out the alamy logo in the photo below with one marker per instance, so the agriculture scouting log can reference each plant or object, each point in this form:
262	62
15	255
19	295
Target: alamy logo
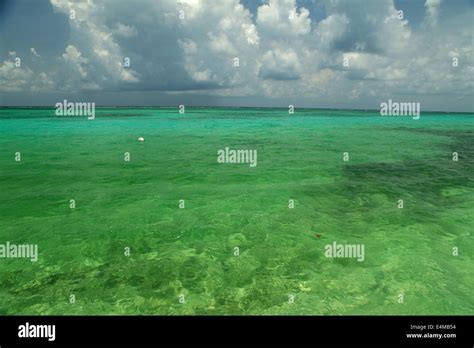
11	251
392	108
37	331
237	156
345	251
66	108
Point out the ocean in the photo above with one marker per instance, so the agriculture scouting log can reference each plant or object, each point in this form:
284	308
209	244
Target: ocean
174	231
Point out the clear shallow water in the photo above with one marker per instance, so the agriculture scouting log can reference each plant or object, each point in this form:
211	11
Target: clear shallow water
191	251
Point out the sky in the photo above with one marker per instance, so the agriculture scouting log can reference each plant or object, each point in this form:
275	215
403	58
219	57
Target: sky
309	53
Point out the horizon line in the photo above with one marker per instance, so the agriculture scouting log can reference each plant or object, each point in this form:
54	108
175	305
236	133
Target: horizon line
223	107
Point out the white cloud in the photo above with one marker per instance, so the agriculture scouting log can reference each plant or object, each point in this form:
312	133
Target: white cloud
250	32
280	65
125	30
282	52
283	18
14	79
22	78
96	44
33	51
74	57
432	9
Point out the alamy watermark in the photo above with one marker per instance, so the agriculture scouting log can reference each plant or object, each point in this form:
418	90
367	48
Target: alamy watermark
336	250
12	251
237	156
66	108
392	108
37	331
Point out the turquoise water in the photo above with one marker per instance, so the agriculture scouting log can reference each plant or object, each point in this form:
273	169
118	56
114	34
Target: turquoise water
191	251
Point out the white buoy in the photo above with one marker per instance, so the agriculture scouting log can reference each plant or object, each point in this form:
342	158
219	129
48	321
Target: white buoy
141	139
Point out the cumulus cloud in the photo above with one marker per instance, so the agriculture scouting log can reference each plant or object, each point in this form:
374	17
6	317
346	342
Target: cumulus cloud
125	30
15	78
12	78
280	65
250	32
283	18
281	50
432	9
33	51
73	57
94	52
